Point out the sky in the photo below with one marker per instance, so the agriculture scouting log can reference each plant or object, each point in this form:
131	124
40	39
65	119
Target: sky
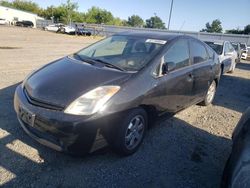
187	15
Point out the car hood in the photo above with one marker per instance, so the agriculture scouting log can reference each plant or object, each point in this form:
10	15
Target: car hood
64	80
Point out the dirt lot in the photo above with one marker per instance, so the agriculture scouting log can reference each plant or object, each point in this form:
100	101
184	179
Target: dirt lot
187	150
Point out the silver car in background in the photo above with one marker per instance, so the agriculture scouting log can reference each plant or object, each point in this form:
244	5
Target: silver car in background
244	50
53	27
227	54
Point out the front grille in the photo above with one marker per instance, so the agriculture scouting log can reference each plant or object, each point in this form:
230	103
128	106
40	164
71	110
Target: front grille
41	134
40	103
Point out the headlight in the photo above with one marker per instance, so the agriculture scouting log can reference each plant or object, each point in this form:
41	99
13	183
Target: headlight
92	101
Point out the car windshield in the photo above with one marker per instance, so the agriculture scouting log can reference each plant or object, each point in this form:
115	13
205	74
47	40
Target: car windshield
125	52
218	48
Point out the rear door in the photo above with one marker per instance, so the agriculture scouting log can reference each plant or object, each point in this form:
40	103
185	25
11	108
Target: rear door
228	55
202	65
173	91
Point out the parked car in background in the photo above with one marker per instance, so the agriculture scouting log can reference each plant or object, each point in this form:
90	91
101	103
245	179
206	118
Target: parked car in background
244	50
244	54
24	23
248	52
3	21
67	29
53	27
238	50
227	55
237	170
112	88
83	31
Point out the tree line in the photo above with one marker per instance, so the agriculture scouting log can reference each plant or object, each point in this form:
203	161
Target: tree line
216	27
68	12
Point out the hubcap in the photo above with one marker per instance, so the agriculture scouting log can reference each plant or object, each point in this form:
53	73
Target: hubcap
211	92
134	132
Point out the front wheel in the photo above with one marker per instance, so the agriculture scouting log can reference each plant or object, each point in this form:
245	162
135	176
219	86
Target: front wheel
210	94
130	133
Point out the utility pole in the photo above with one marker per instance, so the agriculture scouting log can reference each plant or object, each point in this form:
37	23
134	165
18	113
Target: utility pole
170	14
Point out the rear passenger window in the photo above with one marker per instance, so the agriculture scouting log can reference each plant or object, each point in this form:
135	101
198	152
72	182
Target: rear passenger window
178	53
198	52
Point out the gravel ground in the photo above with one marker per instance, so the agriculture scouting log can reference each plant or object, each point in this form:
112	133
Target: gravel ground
186	150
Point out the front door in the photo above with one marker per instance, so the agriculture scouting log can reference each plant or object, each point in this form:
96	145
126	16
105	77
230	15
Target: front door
173	91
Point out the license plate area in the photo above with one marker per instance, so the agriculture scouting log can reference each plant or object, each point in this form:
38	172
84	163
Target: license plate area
26	116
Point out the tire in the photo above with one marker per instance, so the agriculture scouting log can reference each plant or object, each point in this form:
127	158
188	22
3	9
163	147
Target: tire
209	95
128	137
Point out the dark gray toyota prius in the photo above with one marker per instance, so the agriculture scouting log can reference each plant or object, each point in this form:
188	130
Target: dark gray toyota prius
107	92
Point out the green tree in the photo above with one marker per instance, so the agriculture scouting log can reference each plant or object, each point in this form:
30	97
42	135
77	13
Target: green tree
6	4
235	31
155	22
214	27
70	9
99	16
23	5
247	30
135	21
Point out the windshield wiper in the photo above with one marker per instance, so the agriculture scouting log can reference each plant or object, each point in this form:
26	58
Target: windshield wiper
107	64
87	60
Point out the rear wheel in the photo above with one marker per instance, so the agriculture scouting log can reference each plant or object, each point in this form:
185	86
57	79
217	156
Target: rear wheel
210	94
130	134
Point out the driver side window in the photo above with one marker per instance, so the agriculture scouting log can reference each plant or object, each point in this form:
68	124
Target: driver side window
178	54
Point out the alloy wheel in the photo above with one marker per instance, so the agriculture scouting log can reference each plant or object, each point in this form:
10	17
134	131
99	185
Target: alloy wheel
134	132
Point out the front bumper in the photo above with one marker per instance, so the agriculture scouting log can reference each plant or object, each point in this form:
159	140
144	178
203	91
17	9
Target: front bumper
60	131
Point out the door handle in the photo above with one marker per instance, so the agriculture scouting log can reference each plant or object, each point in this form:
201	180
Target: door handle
190	77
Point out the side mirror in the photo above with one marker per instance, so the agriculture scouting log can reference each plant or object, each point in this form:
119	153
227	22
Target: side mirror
167	67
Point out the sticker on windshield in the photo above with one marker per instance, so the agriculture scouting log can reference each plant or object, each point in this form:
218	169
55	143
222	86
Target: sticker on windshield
156	41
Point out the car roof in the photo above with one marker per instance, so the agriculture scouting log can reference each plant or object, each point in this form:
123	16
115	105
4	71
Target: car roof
153	35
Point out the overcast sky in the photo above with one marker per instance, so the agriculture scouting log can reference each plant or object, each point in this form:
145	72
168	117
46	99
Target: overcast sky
190	15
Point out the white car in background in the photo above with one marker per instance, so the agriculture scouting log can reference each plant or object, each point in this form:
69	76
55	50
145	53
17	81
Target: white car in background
227	54
248	52
244	50
3	21
53	27
68	29
245	53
